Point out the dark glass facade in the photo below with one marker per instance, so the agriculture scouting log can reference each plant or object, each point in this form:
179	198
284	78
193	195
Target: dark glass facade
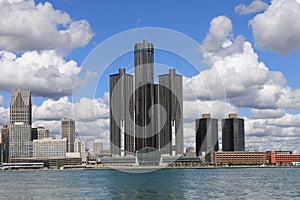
233	134
206	135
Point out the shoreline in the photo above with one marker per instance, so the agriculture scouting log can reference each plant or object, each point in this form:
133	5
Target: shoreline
151	168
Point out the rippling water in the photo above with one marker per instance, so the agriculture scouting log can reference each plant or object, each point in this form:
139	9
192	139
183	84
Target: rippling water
250	183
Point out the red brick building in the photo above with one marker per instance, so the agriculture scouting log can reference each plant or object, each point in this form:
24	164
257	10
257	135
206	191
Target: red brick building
278	157
254	157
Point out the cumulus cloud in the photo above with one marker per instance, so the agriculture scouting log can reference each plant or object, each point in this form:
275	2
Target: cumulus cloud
247	81
255	6
53	110
91	117
45	73
91	109
267	113
220	40
237	76
29	26
278	28
273	134
218	109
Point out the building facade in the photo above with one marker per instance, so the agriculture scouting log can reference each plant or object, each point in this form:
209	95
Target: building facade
5	144
68	131
20	124
97	146
42	133
144	95
206	135
171	123
79	146
282	158
50	148
121	114
240	158
233	134
144	114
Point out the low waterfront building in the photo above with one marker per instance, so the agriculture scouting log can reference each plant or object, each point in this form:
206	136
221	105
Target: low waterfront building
239	158
49	162
282	157
49	147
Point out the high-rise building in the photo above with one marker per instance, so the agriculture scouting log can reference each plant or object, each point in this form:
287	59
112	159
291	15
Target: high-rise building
42	132
144	95
79	146
50	148
34	134
233	134
121	114
97	146
20	124
206	135
68	131
5	144
140	99
170	99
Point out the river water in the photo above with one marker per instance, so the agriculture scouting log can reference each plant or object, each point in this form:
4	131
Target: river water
232	183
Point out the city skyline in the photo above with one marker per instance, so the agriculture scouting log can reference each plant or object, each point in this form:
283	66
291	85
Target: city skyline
258	70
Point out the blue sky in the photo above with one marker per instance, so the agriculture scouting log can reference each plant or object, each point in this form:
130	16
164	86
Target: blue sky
259	67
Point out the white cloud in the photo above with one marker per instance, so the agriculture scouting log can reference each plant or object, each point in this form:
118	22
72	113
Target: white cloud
278	28
194	109
53	110
246	80
273	134
26	26
45	73
90	109
219	39
255	6
267	113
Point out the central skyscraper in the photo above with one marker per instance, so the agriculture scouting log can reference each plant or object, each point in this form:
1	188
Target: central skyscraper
142	113
144	95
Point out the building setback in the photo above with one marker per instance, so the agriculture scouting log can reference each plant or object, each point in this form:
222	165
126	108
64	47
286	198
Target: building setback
68	131
121	114
170	101
5	144
206	135
144	95
233	134
20	124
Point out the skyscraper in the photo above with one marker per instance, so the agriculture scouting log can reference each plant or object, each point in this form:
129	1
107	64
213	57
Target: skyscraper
68	131
20	124
121	114
144	95
42	133
233	134
5	144
97	146
170	98
206	135
142	100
